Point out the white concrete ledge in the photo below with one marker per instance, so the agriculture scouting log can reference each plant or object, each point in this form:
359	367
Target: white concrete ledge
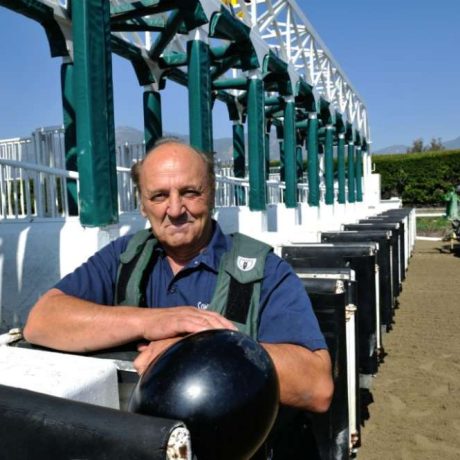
79	378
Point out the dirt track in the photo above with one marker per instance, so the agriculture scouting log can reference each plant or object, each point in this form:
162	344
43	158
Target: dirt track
416	410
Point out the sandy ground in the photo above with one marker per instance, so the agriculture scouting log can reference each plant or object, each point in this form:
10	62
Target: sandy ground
415	414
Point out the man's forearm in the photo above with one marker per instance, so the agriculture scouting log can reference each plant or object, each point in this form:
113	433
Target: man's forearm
305	376
67	323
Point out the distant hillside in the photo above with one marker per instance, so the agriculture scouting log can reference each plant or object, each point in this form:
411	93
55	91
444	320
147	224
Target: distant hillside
391	149
453	144
448	145
223	146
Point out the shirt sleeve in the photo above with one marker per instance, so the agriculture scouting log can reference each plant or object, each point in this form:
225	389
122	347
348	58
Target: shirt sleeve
95	279
286	312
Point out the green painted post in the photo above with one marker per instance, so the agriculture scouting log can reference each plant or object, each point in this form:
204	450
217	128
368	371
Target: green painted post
341	168
351	172
280	137
267	152
70	135
290	196
93	95
239	167
199	95
312	158
153	125
359	174
299	163
329	164
256	140
238	150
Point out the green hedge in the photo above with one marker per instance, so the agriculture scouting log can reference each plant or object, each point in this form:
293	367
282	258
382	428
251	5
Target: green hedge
420	179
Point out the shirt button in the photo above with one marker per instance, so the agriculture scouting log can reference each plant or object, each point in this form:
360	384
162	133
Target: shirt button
172	289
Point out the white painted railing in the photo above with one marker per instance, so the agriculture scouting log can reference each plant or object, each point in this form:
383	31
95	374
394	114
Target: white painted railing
29	190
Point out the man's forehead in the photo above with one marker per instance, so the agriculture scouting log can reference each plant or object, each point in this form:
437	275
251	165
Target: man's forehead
166	153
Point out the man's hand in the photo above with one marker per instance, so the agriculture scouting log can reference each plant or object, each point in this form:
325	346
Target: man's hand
149	352
164	323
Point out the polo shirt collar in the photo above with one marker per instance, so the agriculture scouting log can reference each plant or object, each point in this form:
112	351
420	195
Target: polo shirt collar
212	254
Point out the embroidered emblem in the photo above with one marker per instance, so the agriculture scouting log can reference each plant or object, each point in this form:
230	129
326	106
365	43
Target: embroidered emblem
245	264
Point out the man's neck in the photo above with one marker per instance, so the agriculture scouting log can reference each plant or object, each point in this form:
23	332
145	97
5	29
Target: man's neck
178	258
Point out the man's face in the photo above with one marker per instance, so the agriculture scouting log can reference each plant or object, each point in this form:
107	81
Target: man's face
176	198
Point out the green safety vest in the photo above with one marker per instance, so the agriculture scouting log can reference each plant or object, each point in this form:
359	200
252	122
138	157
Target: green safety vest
237	292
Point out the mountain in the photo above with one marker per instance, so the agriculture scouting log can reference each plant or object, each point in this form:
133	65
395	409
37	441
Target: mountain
391	149
224	146
453	144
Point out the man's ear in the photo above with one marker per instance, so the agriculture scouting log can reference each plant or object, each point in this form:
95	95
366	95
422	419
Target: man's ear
142	209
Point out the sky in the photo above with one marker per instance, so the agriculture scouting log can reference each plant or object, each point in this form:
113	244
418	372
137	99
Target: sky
400	55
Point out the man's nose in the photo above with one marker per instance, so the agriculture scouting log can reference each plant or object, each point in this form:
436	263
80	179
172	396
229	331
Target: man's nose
175	205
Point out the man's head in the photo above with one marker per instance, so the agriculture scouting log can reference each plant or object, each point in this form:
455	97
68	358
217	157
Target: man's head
176	189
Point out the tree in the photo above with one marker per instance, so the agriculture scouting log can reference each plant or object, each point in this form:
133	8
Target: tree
417	146
435	144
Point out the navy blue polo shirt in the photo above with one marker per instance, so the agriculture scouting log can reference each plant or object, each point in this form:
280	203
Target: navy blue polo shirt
286	313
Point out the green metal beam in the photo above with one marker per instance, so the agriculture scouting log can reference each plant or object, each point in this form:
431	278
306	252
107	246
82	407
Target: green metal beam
138	25
256	148
140	8
93	95
329	164
341	198
267	149
175	19
153	126
225	26
312	158
70	134
134	55
290	154
199	96
359	173
239	166
351	172
44	15
231	83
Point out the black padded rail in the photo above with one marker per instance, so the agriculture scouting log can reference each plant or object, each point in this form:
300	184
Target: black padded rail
38	426
362	258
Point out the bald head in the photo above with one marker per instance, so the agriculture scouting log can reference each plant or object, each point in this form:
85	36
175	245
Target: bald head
173	144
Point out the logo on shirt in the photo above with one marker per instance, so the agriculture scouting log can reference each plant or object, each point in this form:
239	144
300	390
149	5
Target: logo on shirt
245	264
202	306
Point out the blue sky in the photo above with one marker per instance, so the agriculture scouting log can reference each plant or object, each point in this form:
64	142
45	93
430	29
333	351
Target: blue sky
400	55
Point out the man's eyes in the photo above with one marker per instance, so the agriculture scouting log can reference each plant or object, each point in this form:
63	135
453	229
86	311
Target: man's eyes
191	193
188	193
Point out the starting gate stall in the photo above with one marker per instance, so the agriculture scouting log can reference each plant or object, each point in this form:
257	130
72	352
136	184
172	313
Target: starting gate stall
396	237
333	295
408	218
385	262
402	239
362	258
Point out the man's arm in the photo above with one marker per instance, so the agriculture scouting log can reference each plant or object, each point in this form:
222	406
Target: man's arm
68	323
305	376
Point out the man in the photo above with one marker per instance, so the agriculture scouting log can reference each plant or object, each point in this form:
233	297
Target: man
176	185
